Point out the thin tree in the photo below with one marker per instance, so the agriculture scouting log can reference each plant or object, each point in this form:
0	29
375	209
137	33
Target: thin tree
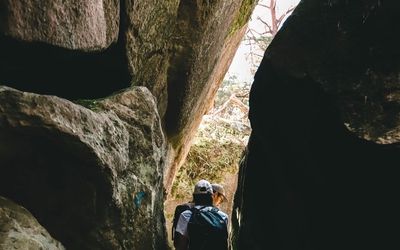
257	40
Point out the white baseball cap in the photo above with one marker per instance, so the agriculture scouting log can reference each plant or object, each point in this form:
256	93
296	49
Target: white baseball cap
203	187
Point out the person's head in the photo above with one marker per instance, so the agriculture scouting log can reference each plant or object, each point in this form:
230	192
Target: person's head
203	193
218	194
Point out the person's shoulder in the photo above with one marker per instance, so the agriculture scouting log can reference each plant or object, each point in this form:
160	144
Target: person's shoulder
201	207
217	209
187	212
223	214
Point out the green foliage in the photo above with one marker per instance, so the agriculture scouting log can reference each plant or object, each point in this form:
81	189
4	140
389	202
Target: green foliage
244	15
92	103
263	42
230	86
218	145
211	155
87	103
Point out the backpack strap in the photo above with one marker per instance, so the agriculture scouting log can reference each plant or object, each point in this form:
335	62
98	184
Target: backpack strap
194	208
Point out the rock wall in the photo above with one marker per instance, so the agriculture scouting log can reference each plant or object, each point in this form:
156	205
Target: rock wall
100	101
324	111
20	229
92	179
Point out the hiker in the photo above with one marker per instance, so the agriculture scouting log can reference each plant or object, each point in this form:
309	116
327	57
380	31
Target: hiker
178	210
218	198
218	195
203	199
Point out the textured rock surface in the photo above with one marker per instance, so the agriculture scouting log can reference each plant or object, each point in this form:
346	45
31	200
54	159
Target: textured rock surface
360	75
80	25
324	112
92	179
195	51
20	230
90	50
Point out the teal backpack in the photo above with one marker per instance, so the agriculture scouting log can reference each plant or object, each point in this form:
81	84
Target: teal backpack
207	230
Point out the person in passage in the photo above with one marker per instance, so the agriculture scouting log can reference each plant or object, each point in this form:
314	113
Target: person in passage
218	195
202	197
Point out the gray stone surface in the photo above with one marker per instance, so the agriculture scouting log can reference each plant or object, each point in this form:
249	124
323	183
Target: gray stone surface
19	229
94	180
79	25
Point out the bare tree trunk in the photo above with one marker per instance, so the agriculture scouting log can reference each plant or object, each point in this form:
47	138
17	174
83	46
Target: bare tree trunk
236	101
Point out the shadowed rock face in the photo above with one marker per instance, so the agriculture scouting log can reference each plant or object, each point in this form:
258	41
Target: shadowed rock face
17	225
324	112
53	47
92	179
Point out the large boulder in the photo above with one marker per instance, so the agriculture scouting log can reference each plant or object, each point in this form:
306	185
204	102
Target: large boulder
20	230
93	179
81	25
324	109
